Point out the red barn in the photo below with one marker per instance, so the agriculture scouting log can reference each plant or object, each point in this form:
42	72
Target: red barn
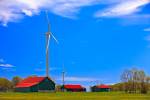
35	84
74	88
101	88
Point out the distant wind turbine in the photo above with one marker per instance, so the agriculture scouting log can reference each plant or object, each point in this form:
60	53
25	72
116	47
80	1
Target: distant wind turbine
63	77
48	37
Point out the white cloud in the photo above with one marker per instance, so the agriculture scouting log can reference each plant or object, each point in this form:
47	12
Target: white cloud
123	8
43	70
13	10
147	29
79	79
6	65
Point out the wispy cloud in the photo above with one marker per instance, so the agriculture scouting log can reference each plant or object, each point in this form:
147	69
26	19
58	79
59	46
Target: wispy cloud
123	8
51	69
6	65
78	79
13	10
147	29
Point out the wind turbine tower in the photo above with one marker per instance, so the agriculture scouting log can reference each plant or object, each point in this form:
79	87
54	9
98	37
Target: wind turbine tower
48	37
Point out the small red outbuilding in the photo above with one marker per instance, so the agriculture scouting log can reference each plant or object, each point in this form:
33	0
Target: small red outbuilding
101	88
74	88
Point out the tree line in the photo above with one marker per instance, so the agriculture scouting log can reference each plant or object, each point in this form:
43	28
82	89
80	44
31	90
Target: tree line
8	85
133	81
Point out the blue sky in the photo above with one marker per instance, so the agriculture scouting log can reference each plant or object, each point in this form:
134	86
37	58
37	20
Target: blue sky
98	39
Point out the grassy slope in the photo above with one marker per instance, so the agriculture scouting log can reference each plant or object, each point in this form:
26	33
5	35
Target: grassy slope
73	96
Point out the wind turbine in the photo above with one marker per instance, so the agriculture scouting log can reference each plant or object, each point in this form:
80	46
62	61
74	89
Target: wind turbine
48	38
63	77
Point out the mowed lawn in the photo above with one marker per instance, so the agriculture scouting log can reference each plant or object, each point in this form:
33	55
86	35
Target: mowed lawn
73	96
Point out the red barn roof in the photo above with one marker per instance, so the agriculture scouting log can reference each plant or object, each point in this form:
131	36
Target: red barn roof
30	81
73	87
103	86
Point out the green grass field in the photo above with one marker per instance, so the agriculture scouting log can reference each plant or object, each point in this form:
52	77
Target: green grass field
73	96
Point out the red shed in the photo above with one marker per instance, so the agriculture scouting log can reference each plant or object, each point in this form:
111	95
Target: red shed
74	88
101	88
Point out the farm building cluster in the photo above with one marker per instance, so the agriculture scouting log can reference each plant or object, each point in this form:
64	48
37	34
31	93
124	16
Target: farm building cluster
46	84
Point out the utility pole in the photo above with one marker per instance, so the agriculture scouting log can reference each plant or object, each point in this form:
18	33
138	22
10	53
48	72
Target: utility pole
63	78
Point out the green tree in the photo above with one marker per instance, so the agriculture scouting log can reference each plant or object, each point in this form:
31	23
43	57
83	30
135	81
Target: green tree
5	84
16	80
142	77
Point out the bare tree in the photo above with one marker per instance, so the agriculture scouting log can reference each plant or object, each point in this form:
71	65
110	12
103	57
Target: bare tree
126	79
135	80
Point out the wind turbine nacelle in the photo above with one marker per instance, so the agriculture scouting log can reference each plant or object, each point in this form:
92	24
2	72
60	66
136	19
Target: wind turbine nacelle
47	33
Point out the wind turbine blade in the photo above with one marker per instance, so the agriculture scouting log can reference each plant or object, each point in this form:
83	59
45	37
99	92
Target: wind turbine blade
48	22
54	38
48	44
